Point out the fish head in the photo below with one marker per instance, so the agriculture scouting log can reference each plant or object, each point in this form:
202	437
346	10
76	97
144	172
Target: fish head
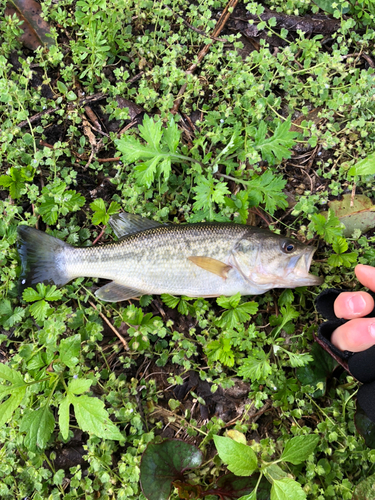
269	261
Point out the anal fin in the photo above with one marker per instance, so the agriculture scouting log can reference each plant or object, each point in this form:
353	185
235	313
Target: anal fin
114	292
212	265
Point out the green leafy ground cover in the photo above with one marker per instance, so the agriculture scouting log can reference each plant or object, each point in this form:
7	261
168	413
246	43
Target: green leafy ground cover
268	131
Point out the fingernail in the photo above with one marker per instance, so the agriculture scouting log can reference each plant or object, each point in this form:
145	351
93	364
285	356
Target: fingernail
356	304
371	329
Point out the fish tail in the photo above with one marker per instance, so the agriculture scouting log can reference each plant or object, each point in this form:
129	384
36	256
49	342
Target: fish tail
42	258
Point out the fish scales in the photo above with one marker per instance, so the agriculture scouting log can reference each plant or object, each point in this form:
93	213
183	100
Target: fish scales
156	260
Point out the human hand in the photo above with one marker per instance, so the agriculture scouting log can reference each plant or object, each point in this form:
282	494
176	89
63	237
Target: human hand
359	333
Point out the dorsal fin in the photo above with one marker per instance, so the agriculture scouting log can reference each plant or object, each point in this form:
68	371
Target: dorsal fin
124	224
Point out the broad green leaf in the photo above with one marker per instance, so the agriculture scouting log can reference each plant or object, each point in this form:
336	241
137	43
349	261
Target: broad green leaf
69	350
287	489
38	425
239	458
64	417
10	374
329	228
299	448
133	150
274	472
8	407
331	7
164	463
79	385
92	417
145	172
364	167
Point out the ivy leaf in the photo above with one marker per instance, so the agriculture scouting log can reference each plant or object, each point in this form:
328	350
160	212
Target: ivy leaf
164	463
38	425
255	368
239	458
278	146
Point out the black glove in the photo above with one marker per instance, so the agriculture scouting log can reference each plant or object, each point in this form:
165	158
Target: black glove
360	364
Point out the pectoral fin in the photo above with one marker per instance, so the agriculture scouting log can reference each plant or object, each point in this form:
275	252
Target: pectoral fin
113	292
212	265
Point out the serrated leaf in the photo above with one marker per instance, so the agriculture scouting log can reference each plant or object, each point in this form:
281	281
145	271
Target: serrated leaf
287	489
340	245
39	310
318	370
267	189
69	350
38	425
9	406
151	132
278	146
172	135
164	463
92	417
52	293
255	368
220	350
49	211
299	448
239	458
170	300
145	172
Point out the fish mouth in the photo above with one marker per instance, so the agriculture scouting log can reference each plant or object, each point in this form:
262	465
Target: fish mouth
299	269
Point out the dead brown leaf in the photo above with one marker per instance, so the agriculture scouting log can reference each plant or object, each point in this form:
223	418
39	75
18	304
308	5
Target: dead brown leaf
35	28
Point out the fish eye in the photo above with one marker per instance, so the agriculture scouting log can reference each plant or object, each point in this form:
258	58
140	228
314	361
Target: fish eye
288	247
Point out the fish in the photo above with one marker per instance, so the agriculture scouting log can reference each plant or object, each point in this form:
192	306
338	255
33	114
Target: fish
195	260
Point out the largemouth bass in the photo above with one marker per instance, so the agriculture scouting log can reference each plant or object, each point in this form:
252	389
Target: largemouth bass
197	260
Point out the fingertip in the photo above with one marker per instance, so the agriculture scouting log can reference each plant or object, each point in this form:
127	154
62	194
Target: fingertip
355	336
366	275
350	305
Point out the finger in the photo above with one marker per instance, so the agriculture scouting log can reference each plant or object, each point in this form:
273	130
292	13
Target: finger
366	275
349	305
356	335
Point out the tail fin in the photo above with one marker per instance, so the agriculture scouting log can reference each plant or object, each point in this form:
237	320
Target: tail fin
42	258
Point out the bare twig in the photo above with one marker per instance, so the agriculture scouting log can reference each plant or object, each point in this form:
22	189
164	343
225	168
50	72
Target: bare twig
120	337
218	28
